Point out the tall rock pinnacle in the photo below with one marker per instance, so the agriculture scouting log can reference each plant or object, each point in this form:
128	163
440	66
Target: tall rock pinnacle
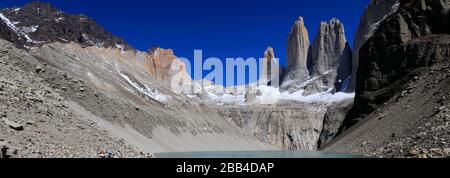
297	52
331	52
270	70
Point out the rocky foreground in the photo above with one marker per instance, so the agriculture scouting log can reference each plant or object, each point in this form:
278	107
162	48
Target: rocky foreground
37	122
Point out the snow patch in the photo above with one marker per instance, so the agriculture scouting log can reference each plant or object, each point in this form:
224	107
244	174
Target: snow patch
226	98
323	97
92	41
30	29
59	19
20	32
118	46
150	92
271	95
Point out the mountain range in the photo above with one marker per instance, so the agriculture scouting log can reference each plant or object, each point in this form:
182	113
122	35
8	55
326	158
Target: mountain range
70	88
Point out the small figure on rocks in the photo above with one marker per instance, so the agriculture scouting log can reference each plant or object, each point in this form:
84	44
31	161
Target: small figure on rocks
6	151
106	153
109	154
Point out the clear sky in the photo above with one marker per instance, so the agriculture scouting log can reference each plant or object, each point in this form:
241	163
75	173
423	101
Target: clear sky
221	28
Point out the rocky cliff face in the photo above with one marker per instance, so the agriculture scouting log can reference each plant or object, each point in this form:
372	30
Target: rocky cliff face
333	120
331	53
416	36
324	66
39	23
159	63
329	47
415	123
287	125
298	52
376	12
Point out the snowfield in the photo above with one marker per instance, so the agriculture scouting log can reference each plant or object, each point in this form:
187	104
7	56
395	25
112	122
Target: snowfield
271	95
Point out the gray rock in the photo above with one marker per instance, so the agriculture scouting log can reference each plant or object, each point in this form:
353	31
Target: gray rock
333	119
298	52
446	150
323	66
329	48
13	125
38	69
288	125
331	54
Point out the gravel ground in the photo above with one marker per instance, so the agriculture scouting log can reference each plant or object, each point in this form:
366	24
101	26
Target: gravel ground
36	122
415	123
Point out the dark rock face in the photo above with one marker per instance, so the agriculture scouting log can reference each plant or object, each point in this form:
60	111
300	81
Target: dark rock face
38	23
417	35
376	12
333	119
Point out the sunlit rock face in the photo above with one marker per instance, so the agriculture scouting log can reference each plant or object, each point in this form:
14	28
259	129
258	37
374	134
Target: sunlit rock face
297	52
331	54
324	66
160	64
288	125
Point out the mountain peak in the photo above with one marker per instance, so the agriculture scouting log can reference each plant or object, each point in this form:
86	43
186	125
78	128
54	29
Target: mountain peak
39	4
38	23
300	22
159	50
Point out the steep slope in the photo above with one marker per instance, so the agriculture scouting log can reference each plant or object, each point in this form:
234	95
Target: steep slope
376	12
48	124
38	23
402	82
298	52
402	43
136	101
331	56
333	120
323	67
414	123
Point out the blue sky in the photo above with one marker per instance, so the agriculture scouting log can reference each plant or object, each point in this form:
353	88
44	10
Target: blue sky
221	28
